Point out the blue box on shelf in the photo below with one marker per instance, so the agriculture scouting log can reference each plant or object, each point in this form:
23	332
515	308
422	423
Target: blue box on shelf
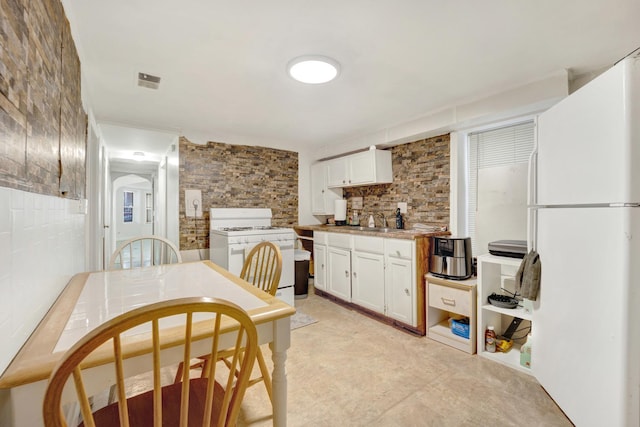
460	327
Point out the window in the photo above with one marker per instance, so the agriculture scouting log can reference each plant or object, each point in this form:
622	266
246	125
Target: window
495	148
149	208
128	206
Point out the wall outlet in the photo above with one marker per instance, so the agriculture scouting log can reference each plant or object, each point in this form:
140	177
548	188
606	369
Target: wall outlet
356	203
403	207
193	203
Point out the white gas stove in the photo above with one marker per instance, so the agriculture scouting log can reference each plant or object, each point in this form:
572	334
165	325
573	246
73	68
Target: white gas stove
234	231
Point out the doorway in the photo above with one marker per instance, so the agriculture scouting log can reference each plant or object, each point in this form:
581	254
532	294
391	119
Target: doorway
133	208
134	170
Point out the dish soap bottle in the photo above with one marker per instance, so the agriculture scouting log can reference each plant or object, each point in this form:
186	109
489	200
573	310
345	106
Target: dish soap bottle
525	352
399	222
372	223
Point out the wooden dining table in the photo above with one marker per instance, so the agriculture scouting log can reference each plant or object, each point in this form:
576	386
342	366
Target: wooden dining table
90	299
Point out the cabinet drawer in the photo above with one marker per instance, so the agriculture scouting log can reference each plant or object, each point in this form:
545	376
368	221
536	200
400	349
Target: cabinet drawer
450	299
320	237
399	248
368	244
340	240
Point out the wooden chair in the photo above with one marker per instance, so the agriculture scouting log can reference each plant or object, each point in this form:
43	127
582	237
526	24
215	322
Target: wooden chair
262	268
144	251
190	402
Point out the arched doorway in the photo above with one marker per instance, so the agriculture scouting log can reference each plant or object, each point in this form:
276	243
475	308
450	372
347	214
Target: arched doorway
133	207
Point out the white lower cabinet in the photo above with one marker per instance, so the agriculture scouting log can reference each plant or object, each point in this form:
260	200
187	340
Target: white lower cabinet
339	282
339	265
400	280
367	282
400	289
375	273
320	266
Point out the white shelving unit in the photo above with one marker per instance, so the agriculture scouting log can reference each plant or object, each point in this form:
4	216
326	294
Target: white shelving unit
494	273
446	296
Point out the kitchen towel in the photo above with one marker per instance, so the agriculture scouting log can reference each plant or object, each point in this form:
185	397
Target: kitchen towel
528	276
340	213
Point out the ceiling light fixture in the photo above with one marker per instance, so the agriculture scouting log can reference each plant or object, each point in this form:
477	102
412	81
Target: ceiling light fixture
313	69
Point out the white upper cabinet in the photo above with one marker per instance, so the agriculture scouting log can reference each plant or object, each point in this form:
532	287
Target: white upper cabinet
322	197
365	168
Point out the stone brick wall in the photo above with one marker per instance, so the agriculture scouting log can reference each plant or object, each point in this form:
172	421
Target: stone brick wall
236	176
42	123
420	178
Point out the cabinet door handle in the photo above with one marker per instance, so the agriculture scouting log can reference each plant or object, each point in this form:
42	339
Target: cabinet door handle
406	291
346	273
448	301
354	274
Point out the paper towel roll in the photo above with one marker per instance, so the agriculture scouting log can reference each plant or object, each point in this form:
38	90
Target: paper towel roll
340	213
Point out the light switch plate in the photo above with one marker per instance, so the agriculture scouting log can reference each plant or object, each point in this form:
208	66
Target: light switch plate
403	207
356	203
193	203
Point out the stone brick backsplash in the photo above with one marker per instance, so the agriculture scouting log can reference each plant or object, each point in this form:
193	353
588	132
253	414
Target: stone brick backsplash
42	123
420	178
236	176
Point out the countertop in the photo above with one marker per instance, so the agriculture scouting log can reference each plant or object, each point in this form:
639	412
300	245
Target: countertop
392	233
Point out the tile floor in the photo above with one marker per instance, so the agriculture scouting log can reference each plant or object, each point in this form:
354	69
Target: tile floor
350	370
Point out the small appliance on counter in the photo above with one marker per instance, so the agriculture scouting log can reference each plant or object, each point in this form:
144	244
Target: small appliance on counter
450	257
508	248
340	213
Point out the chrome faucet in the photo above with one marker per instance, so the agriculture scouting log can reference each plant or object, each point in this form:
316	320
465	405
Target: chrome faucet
384	219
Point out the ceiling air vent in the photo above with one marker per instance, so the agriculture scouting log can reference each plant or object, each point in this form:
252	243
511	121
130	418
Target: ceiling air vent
148	81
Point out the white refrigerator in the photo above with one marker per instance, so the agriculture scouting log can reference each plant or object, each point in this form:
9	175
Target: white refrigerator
584	221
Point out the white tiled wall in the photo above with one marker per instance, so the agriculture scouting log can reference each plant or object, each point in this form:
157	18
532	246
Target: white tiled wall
41	247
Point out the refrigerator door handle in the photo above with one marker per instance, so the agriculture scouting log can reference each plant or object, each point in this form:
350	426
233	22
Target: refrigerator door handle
532	178
532	229
532	196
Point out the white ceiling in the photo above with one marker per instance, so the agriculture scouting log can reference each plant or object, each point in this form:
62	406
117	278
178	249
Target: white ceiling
222	63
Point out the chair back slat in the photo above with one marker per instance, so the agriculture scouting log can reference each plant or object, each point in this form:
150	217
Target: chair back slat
83	399
157	380
202	398
123	407
184	408
144	251
208	410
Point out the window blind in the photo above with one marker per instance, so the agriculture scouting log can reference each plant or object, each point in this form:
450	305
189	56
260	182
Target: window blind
492	148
